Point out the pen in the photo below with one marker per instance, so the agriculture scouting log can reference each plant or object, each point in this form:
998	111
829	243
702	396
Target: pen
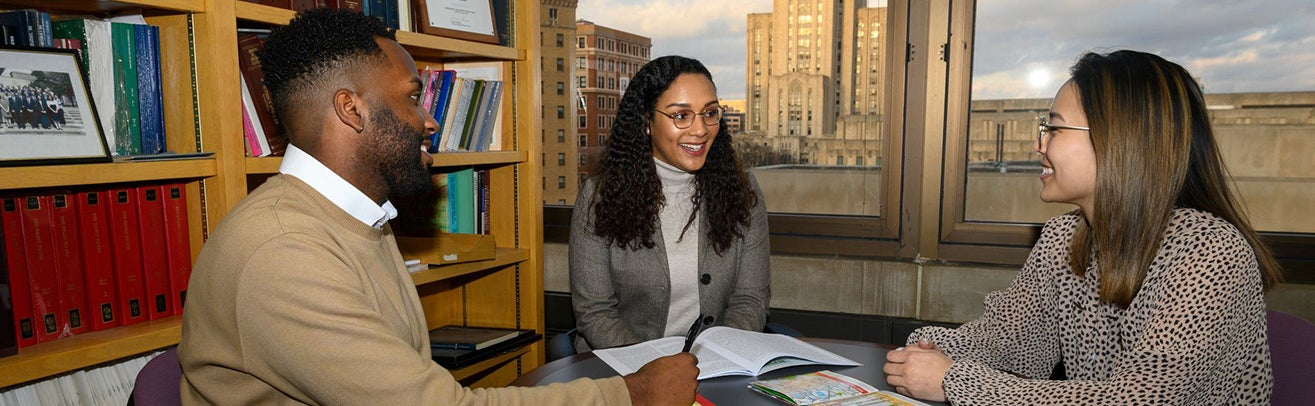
693	331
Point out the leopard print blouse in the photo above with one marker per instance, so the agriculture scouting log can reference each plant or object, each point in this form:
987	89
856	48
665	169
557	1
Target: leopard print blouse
1193	335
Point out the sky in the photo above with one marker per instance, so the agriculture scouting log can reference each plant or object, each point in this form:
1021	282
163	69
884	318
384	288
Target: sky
1229	45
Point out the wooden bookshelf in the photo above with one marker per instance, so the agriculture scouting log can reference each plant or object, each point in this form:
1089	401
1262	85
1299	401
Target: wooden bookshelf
90	349
203	113
24	177
270	165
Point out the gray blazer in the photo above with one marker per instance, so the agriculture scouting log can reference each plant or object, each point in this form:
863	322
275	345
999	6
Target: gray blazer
622	296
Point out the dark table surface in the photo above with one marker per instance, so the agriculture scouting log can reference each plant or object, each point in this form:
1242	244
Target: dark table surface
731	390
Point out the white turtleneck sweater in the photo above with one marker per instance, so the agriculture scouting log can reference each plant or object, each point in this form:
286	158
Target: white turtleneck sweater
682	253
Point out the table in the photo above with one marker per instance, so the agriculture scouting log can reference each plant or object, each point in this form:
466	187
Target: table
731	390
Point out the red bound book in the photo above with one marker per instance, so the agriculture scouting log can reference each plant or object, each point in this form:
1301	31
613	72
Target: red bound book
98	258
39	239
178	243
247	45
68	261
125	238
11	224
155	266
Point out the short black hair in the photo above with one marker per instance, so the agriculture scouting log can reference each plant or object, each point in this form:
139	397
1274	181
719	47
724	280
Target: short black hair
314	44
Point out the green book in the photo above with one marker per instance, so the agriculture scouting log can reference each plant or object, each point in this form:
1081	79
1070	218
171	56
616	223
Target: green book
472	115
461	201
127	121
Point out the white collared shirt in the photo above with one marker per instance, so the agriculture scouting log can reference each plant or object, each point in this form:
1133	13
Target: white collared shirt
347	197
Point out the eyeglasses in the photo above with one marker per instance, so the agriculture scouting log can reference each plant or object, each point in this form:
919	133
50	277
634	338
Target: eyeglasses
1045	128
684	118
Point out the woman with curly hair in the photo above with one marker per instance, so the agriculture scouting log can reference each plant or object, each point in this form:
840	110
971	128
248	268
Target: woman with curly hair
670	230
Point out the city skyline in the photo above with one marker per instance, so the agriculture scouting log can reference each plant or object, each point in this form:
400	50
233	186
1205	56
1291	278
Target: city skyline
1248	46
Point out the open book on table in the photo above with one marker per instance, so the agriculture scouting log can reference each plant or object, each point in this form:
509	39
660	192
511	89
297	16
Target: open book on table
725	351
826	388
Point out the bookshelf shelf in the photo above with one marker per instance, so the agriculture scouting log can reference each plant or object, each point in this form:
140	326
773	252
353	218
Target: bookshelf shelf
85	350
502	257
94	174
421	46
150	7
270	165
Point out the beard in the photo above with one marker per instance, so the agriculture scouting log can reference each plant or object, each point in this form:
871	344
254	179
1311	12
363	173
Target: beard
395	149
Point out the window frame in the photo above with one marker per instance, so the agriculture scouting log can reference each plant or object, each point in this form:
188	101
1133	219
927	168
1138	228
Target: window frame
1010	243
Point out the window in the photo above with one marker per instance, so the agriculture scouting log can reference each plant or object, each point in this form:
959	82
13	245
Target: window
561	159
583	122
601	82
561	111
561	65
561	40
561	135
584	140
581	63
579	43
583	82
552	15
602	122
990	188
561	88
561	182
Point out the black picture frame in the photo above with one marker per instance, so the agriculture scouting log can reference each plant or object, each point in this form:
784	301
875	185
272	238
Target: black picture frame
47	115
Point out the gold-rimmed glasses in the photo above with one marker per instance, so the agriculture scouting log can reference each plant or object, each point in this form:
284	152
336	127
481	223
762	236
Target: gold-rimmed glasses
684	118
1045	127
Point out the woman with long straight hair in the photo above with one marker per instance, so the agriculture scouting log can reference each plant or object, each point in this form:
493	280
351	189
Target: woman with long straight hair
1150	292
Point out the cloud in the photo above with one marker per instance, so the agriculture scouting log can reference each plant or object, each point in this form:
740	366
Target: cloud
1233	46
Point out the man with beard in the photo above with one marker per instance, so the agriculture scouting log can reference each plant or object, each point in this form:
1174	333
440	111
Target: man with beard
300	296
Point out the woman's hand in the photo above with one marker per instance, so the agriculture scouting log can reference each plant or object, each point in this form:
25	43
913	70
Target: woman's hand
918	371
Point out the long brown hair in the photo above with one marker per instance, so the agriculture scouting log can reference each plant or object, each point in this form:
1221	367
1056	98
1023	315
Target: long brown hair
1155	151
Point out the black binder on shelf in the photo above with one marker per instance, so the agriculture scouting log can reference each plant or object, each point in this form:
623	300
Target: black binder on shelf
457	359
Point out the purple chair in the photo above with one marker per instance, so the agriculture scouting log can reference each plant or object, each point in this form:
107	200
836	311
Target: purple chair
1293	359
157	382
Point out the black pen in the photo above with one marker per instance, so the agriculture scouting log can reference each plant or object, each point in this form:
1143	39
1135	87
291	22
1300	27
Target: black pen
693	331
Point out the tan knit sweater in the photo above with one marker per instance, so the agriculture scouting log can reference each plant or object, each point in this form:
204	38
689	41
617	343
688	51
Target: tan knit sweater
293	301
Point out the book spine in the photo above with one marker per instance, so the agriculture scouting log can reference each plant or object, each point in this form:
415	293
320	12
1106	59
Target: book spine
98	259
178	243
127	120
247	45
125	237
39	239
11	224
149	95
472	114
68	258
155	264
463	202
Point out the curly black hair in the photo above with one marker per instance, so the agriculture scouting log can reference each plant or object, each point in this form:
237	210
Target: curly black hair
628	194
315	45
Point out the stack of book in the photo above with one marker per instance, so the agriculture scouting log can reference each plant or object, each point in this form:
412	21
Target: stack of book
467	110
455	347
94	259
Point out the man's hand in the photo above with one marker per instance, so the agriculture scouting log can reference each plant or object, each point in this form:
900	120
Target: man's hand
670	380
918	371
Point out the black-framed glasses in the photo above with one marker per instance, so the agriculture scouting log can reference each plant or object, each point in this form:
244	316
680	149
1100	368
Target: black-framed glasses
685	118
1045	127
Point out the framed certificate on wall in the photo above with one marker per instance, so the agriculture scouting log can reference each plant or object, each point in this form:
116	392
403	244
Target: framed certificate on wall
465	19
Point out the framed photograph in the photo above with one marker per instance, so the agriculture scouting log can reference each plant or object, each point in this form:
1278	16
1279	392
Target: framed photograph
465	19
46	114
